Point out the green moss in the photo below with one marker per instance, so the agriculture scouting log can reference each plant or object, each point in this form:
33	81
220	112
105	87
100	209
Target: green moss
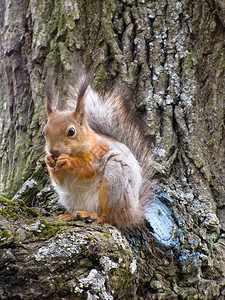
5	213
16	209
191	62
4	200
101	75
32	211
107	235
45	229
62	223
213	26
48	229
4	235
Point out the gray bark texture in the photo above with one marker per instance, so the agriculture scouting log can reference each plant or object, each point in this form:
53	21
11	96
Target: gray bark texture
170	55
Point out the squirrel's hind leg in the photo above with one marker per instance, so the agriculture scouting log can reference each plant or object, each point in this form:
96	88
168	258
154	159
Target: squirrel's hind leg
122	181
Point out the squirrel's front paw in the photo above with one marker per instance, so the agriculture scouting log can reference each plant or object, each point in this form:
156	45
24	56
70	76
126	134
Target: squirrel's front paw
50	161
63	162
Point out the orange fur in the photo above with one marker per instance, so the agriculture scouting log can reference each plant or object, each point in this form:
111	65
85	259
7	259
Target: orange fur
81	166
103	197
85	152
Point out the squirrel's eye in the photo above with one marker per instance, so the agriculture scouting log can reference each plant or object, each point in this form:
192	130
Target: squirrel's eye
71	132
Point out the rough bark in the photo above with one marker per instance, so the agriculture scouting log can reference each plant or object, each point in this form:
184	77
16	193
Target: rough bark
171	56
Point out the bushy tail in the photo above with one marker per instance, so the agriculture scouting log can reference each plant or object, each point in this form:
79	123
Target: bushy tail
109	115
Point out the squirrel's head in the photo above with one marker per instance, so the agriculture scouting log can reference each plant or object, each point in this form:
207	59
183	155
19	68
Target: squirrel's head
66	132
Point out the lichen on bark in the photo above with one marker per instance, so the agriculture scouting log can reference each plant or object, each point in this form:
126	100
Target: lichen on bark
57	259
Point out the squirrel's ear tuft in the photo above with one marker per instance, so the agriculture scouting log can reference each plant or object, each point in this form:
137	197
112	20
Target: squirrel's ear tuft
80	108
51	95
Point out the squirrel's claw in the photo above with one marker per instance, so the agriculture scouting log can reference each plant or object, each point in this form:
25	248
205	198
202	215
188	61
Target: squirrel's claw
62	162
65	217
83	214
50	161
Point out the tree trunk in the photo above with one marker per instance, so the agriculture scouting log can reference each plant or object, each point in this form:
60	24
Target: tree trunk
171	56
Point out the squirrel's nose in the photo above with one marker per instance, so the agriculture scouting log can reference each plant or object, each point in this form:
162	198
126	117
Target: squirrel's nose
54	153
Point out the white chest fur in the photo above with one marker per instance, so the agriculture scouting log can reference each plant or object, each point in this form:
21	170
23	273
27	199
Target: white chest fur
76	195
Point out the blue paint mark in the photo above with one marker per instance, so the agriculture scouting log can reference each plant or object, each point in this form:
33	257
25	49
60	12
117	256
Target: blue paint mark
160	219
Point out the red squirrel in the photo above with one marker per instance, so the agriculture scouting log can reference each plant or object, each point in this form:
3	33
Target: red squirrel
97	157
